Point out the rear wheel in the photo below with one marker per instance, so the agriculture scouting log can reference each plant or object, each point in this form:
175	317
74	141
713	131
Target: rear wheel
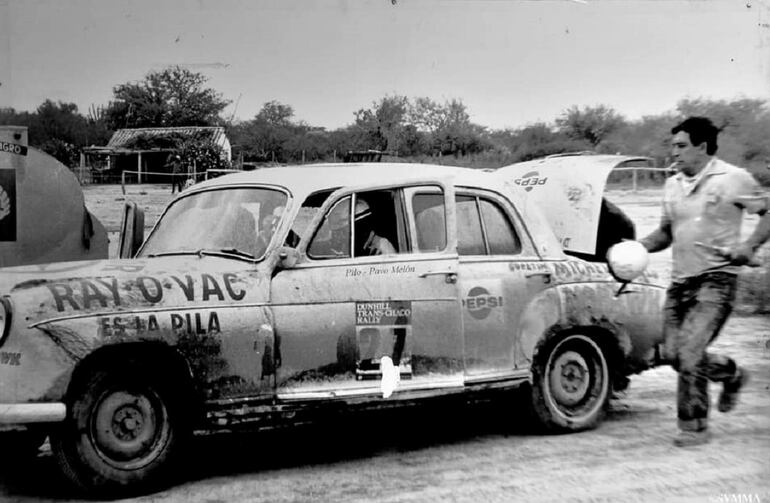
571	384
123	429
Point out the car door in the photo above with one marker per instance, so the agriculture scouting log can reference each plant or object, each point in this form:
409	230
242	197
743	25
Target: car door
499	273
340	310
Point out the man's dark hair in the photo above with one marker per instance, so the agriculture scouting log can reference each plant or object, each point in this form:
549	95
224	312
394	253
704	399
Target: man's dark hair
700	129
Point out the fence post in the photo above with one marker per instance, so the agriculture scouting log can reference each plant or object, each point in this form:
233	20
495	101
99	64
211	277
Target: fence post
139	167
633	175
81	167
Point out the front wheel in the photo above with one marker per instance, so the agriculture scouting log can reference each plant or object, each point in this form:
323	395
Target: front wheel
571	383
122	431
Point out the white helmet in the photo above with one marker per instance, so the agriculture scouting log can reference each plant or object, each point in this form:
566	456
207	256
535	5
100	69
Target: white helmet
627	260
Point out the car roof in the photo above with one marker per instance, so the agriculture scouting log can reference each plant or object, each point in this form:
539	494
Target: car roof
304	180
309	178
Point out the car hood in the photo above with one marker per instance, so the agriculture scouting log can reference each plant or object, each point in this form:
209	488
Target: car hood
569	190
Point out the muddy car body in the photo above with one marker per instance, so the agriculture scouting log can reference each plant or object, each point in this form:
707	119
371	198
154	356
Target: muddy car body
256	300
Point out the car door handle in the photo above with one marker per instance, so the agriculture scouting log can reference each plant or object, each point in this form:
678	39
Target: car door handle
547	276
451	276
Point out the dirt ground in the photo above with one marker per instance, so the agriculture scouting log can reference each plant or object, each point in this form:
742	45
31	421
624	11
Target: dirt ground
480	452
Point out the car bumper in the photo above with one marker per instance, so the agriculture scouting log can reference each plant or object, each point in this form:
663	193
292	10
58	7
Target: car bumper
22	413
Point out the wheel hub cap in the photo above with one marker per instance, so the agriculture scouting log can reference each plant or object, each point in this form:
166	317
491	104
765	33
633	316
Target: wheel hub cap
570	378
125	426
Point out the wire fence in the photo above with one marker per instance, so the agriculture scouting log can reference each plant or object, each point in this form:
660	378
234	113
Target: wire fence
638	177
160	177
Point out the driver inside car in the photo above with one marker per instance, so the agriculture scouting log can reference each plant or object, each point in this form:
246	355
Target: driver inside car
365	220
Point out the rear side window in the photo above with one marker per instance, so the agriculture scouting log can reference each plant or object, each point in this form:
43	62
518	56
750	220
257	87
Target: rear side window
483	228
470	237
430	221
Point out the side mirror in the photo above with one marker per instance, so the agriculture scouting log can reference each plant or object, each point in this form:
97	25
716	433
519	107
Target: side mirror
287	257
131	230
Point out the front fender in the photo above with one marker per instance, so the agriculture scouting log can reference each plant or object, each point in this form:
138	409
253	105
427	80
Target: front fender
633	318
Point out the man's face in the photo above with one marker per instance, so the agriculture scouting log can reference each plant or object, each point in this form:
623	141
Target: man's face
690	159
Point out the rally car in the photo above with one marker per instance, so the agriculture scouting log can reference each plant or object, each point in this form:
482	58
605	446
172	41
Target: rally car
264	297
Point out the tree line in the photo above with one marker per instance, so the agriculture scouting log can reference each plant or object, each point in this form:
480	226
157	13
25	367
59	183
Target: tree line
419	128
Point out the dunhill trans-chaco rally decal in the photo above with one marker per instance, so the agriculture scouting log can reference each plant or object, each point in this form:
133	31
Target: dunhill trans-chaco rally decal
383	329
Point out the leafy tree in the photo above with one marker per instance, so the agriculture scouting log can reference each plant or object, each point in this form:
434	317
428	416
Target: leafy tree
272	135
203	155
650	137
427	115
590	123
275	113
382	126
171	97
58	129
535	141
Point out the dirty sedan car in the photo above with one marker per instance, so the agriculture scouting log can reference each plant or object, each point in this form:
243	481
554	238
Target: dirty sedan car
261	298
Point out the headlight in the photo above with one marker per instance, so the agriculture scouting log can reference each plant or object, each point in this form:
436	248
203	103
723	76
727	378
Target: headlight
5	319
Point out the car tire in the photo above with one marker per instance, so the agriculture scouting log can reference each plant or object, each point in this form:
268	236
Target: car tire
571	384
123	431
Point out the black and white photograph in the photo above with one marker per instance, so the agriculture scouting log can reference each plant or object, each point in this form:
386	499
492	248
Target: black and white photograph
384	251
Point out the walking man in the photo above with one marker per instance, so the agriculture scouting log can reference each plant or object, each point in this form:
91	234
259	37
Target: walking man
703	207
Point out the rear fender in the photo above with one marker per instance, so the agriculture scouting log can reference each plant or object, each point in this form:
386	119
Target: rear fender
628	325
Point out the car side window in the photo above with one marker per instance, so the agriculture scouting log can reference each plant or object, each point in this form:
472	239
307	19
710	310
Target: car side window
483	228
429	213
332	240
378	223
375	226
470	237
500	233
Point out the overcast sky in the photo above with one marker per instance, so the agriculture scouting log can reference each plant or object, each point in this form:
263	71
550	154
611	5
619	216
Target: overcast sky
511	62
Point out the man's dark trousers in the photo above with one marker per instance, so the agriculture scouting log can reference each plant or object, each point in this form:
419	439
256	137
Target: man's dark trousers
696	309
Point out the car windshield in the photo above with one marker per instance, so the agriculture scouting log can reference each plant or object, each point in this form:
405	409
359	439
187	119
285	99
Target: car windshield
237	222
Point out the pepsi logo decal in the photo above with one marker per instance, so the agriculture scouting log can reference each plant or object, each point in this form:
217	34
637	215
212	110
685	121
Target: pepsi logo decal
480	303
530	180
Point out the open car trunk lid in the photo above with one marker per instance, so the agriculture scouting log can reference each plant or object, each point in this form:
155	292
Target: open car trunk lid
570	190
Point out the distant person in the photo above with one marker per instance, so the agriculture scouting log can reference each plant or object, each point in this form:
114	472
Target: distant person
177	175
703	207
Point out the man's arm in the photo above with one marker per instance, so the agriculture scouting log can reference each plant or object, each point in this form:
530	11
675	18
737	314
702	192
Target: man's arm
744	252
660	238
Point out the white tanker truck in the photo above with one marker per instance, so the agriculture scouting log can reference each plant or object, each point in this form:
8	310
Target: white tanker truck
43	217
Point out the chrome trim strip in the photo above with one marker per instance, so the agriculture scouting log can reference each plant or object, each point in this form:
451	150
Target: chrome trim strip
370	390
17	413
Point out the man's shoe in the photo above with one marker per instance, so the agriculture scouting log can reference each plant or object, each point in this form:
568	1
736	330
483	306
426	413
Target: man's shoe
689	438
730	390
